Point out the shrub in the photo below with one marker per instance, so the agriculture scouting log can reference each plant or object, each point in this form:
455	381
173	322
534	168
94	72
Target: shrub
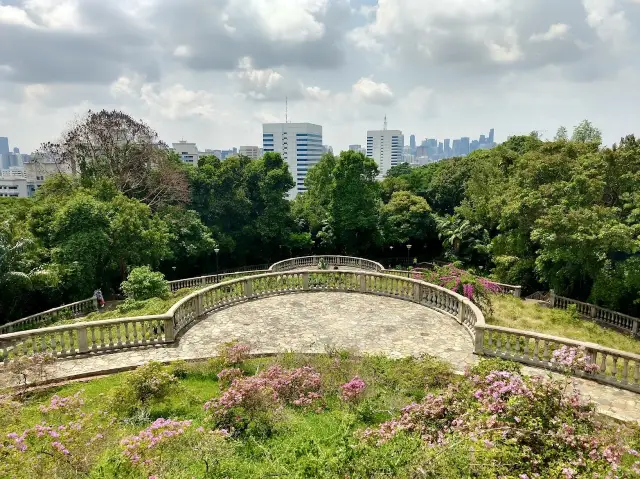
487	366
353	391
233	353
148	383
143	283
179	369
30	369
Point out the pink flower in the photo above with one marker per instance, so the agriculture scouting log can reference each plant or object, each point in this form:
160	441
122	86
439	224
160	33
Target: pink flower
353	390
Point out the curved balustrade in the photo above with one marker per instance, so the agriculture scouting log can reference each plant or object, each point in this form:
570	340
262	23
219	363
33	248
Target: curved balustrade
616	368
67	310
202	281
332	260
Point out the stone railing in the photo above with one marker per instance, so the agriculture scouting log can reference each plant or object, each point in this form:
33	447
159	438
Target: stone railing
202	281
332	260
617	368
126	333
61	312
596	313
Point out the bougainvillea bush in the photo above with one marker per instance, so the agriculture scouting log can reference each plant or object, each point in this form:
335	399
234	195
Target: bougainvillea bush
325	416
475	288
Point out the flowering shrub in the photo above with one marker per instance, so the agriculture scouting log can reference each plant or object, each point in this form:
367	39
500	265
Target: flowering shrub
533	421
226	376
140	447
58	403
352	391
462	282
248	398
234	353
574	359
149	383
64	439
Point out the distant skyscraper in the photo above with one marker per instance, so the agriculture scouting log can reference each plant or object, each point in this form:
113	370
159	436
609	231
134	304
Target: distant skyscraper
386	148
300	145
16	150
4	145
447	147
483	139
252	152
188	152
491	137
412	143
457	151
464	145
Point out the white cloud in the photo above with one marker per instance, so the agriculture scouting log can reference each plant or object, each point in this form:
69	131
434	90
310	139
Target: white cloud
369	91
507	50
56	14
182	51
255	83
610	24
315	93
557	31
11	15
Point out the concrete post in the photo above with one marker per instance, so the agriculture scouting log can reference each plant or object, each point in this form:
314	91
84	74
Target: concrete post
363	283
83	346
518	292
417	296
305	281
552	298
461	312
593	311
636	330
95	303
248	288
169	335
479	342
198	306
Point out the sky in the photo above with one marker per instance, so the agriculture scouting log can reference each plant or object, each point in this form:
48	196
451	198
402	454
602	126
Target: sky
212	71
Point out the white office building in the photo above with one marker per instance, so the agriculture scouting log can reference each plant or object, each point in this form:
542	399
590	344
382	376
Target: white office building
386	148
188	152
24	180
300	145
253	152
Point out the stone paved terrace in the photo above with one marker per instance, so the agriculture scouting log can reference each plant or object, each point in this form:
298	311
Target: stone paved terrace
312	322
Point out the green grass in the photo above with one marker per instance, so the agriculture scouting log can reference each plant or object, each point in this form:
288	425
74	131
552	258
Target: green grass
514	313
304	443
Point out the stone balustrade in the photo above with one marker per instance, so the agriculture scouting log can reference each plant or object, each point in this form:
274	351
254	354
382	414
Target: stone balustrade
332	260
606	316
202	281
67	310
617	368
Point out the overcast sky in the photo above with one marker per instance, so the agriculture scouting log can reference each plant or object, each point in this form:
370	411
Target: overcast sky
212	71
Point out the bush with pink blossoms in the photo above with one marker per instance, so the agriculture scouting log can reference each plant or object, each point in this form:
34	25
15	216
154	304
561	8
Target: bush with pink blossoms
474	288
57	403
253	398
226	376
353	391
141	447
572	360
234	353
534	422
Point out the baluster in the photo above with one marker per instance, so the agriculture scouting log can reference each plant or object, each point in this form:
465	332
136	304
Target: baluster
43	347
603	363
127	338
536	345
507	345
516	346
615	367
625	370
118	336
545	353
499	343
636	374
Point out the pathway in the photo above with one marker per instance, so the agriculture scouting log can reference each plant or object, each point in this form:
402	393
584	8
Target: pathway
313	322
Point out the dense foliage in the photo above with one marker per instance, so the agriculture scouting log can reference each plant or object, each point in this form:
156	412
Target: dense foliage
562	215
322	416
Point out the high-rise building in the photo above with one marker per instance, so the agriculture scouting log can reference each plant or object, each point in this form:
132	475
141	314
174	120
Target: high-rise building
4	145
385	147
412	144
447	147
475	144
483	139
491	136
355	147
188	152
16	150
300	145
464	145
252	152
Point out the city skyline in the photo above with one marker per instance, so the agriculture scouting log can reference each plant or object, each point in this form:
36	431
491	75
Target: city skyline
536	66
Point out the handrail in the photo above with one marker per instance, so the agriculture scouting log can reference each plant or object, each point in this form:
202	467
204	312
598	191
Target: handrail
615	367
597	313
125	333
83	306
618	368
200	281
332	260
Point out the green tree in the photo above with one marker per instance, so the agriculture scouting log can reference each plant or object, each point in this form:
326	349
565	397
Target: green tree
353	210
585	132
406	218
562	134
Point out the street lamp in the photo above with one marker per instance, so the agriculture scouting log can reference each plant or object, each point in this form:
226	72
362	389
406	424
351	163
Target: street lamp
408	249
217	250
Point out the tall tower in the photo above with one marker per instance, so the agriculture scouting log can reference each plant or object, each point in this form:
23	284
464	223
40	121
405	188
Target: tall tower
385	123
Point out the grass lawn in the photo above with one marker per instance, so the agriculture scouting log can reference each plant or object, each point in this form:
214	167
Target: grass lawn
83	436
514	313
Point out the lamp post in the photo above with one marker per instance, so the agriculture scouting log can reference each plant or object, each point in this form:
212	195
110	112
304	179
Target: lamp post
408	250
217	250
